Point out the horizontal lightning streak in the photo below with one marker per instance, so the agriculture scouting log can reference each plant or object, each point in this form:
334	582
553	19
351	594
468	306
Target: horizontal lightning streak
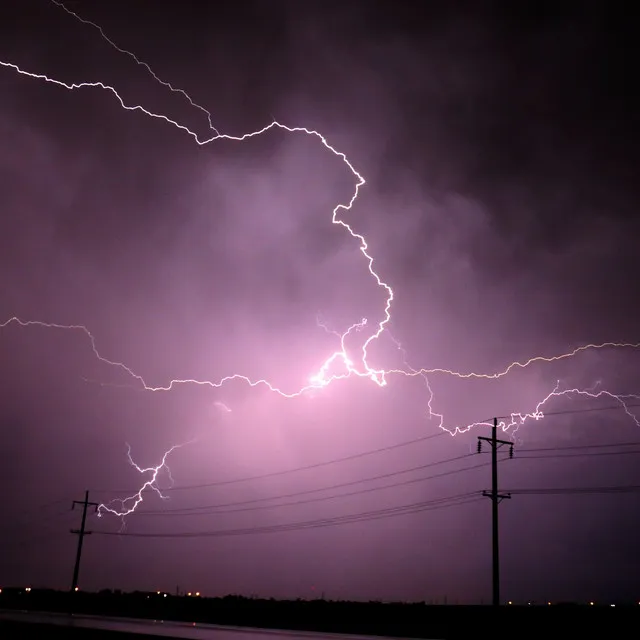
526	363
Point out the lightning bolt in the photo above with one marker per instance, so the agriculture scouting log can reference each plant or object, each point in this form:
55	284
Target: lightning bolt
351	366
516	420
525	363
130	504
321	378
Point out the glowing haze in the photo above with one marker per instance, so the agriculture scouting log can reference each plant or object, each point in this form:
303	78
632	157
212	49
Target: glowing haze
364	349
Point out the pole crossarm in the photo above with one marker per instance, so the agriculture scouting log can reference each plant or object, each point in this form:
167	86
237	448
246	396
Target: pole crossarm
500	442
500	496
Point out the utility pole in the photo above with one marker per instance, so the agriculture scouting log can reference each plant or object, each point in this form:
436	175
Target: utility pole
496	498
81	533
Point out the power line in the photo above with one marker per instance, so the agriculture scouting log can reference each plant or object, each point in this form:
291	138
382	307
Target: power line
407	509
316	465
333	486
46	532
587	446
363	516
353	456
412	508
195	511
36	521
621	488
24	543
562	412
579	455
242	506
215	509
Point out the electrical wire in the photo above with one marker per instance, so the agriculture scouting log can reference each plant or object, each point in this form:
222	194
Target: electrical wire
283	472
220	508
584	410
622	488
585	446
576	455
364	516
31	541
200	511
335	486
352	456
36	521
241	506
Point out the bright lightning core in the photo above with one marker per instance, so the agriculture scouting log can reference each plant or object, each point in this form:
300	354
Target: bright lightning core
352	365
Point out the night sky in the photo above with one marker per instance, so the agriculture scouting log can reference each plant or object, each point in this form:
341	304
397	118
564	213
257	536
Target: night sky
498	143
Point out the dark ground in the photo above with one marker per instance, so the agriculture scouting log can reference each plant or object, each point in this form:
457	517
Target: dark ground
400	620
18	631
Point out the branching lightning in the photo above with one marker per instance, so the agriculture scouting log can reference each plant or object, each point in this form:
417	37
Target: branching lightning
351	366
130	504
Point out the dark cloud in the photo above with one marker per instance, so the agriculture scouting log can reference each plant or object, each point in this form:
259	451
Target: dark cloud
498	148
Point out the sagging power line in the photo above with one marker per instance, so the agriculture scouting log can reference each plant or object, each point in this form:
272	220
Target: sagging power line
372	452
398	510
219	509
316	465
237	507
338	485
364	516
243	505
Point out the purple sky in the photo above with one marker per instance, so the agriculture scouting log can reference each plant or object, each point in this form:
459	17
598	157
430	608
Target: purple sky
498	152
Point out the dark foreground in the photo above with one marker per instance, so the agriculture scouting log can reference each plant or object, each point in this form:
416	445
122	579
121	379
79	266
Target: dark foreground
18	631
396	620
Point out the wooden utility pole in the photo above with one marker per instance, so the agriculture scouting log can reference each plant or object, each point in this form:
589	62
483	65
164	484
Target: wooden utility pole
81	533
496	498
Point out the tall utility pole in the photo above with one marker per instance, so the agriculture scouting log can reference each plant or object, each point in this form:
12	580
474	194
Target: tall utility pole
81	533
496	498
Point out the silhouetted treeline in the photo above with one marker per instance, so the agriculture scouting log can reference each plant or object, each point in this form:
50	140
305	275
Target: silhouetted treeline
417	620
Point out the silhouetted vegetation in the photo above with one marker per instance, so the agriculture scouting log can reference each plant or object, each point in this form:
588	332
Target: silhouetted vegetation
417	620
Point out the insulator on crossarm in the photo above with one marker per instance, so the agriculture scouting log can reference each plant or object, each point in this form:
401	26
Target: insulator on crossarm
479	446
511	451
